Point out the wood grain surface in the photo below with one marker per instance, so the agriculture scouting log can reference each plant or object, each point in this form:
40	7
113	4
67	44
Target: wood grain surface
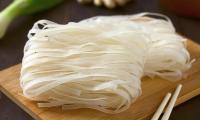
153	92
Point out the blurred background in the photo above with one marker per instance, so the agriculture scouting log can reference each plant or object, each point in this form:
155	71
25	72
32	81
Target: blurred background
184	15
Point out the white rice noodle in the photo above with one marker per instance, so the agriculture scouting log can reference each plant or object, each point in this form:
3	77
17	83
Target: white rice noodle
98	63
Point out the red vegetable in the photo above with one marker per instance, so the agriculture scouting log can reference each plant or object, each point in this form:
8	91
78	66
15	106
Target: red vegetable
189	8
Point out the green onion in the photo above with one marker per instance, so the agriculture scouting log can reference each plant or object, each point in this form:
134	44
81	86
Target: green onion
23	7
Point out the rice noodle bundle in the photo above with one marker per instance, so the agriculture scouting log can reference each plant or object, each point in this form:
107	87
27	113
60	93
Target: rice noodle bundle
98	63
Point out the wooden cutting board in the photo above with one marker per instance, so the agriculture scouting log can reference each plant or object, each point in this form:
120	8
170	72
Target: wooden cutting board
153	92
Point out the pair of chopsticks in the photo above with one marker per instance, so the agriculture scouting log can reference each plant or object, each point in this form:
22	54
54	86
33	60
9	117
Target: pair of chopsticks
170	106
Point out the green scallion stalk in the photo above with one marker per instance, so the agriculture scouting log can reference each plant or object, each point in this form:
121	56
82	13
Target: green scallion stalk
23	7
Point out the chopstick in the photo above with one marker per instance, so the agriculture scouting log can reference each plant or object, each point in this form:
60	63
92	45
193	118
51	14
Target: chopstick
161	107
170	105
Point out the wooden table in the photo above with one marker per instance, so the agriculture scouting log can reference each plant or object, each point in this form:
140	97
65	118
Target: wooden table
11	46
